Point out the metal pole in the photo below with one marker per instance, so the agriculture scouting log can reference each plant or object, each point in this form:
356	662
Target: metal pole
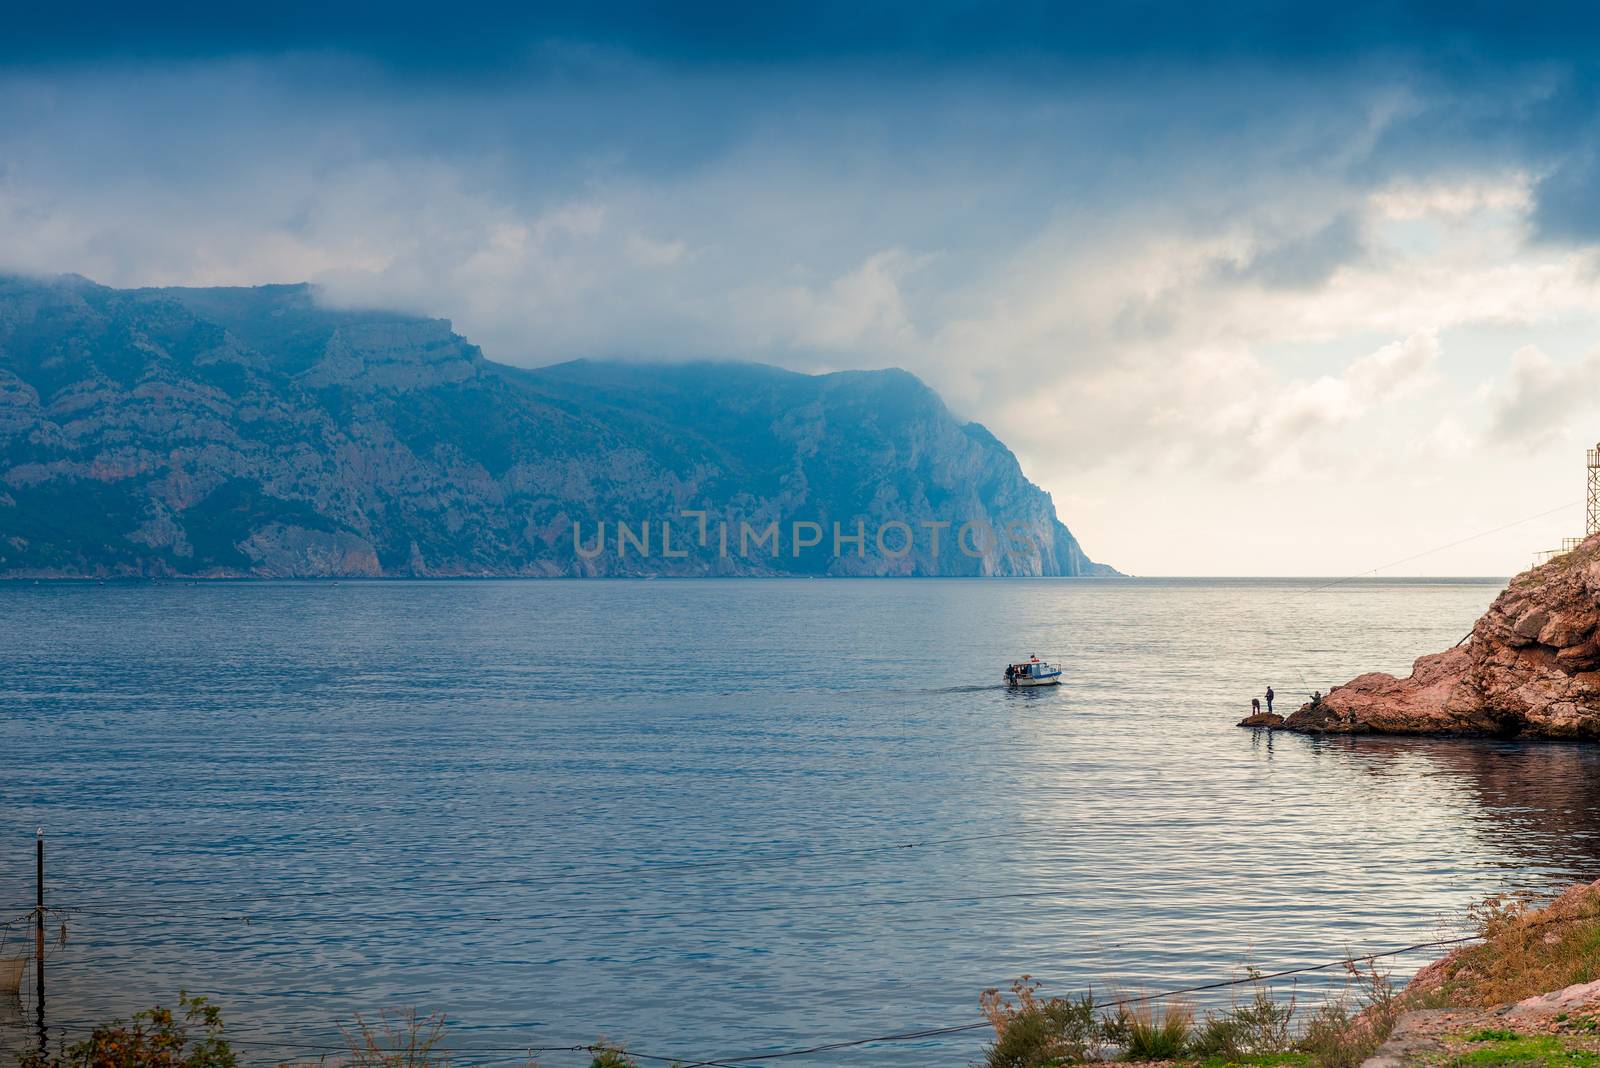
38	930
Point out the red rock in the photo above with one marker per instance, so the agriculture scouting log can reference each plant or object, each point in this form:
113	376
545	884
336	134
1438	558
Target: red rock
1529	668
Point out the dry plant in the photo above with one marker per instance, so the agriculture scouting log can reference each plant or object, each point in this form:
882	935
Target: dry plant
1500	912
397	1039
1000	1012
1337	1036
1526	950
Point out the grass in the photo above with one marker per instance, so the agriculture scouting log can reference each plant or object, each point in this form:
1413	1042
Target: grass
1527	950
1157	1030
1493	1034
1290	1058
1542	1051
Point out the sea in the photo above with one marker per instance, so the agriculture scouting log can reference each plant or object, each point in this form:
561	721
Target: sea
720	820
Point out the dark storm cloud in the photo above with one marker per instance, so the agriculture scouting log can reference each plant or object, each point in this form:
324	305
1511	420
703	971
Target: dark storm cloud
1509	82
781	141
464	37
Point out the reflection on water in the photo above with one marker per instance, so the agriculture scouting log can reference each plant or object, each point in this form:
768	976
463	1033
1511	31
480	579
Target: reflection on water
807	811
1537	803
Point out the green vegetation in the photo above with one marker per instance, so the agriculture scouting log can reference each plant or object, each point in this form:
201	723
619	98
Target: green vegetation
611	1057
160	1038
1492	1034
1155	1030
155	1038
1526	950
1549	1051
1036	1032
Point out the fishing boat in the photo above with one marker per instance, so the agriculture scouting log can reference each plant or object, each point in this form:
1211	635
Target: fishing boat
1033	672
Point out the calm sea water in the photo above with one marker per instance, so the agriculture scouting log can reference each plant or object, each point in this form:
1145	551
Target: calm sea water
714	819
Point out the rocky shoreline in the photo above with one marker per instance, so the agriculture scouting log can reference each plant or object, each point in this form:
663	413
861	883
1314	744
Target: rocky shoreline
1529	669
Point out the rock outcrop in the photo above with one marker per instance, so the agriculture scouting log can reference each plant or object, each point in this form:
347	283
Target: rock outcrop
255	432
1530	668
1524	993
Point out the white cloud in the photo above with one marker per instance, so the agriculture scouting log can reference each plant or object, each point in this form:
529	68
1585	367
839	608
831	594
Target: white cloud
1455	200
1539	396
862	310
1305	408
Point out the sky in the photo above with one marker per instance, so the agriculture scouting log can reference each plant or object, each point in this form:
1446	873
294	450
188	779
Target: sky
1249	288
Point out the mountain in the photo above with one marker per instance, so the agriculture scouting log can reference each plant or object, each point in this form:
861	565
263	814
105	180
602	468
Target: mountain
254	432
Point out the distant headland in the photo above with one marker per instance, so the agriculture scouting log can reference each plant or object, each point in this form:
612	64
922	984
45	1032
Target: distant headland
255	433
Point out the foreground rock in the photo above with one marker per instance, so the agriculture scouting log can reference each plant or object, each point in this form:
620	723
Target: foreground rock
1531	668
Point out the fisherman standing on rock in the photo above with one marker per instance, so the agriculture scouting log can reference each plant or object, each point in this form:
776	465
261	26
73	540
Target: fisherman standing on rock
1270	696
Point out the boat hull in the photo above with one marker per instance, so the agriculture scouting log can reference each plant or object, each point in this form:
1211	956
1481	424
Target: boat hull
1049	680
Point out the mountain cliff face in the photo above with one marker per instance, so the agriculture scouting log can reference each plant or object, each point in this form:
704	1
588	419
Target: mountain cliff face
251	432
1530	668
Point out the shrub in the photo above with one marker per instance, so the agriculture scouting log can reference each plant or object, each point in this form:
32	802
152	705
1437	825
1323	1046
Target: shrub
1155	1031
607	1055
155	1038
1261	1026
1329	1035
1337	1038
1039	1033
1219	1036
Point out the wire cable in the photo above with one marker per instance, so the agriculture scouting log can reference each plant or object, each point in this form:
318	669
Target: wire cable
1442	548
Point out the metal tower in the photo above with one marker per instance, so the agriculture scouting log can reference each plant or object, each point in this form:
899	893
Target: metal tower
1592	516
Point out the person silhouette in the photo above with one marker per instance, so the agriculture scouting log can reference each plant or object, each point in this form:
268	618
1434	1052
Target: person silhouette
1270	696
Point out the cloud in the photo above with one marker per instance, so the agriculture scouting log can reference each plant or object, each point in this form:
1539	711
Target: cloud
1568	197
1540	395
1302	261
1455	200
1285	421
1191	276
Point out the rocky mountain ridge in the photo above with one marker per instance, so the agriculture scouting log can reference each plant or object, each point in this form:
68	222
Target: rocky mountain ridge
254	432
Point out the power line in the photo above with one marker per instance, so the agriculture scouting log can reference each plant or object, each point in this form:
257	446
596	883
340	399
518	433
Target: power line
912	1034
1200	988
934	1032
1442	548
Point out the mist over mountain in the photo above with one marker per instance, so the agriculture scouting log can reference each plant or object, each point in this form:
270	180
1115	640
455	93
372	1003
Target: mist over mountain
254	432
